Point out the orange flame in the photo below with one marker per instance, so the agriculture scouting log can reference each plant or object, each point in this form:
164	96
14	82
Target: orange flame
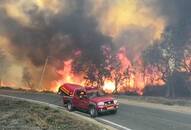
67	76
136	81
109	86
6	84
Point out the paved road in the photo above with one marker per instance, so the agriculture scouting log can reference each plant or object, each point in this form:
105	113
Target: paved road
129	116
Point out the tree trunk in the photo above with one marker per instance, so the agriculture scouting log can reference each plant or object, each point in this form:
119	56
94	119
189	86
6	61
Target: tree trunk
170	92
167	91
115	91
116	84
1	82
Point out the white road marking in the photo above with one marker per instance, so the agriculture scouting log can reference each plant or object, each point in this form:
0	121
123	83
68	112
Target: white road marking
114	124
56	106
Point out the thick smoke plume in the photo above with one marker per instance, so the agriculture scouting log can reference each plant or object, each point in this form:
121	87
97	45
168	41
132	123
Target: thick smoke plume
36	33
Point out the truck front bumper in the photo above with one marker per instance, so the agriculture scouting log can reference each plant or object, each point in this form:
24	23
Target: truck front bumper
103	109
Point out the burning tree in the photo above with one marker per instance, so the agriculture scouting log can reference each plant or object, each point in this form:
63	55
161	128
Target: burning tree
116	74
185	60
165	57
112	68
161	56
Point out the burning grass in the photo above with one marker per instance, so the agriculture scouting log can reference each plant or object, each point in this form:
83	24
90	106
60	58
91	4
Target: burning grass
22	115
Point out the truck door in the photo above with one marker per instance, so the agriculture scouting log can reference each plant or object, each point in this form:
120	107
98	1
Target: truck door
76	99
84	102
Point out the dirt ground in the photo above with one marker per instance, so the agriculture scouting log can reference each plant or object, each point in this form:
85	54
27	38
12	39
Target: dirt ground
22	115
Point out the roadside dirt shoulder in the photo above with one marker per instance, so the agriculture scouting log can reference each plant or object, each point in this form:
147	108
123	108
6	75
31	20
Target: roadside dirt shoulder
174	108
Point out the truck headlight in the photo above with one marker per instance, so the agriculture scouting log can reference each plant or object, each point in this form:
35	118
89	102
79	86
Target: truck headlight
100	103
115	101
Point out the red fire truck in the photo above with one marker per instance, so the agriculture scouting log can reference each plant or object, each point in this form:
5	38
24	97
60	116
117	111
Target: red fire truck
90	99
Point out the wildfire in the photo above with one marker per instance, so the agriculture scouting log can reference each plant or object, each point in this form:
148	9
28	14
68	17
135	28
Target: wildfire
6	84
109	86
133	81
66	76
125	62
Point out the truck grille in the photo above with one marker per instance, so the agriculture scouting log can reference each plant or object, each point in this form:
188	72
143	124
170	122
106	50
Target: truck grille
108	103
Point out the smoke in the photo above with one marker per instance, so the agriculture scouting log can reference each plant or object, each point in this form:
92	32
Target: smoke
178	17
177	14
37	29
10	69
131	23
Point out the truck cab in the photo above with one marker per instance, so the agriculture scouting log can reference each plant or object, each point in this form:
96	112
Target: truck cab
90	99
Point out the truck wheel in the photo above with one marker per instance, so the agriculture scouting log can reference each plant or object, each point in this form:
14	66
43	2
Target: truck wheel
63	103
93	112
69	106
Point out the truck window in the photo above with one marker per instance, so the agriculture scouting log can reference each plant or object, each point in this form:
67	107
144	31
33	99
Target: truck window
93	94
80	93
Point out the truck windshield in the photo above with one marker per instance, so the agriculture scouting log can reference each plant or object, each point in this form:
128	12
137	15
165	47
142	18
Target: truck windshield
93	94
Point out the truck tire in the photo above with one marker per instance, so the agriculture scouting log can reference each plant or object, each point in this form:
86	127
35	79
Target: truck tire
93	112
69	106
63	103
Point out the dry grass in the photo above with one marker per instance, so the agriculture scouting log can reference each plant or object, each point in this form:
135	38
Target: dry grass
22	115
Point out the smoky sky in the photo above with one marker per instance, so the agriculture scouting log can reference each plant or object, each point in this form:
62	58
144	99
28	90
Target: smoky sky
178	14
58	36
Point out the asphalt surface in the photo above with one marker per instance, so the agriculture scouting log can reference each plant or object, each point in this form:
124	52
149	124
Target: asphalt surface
129	116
